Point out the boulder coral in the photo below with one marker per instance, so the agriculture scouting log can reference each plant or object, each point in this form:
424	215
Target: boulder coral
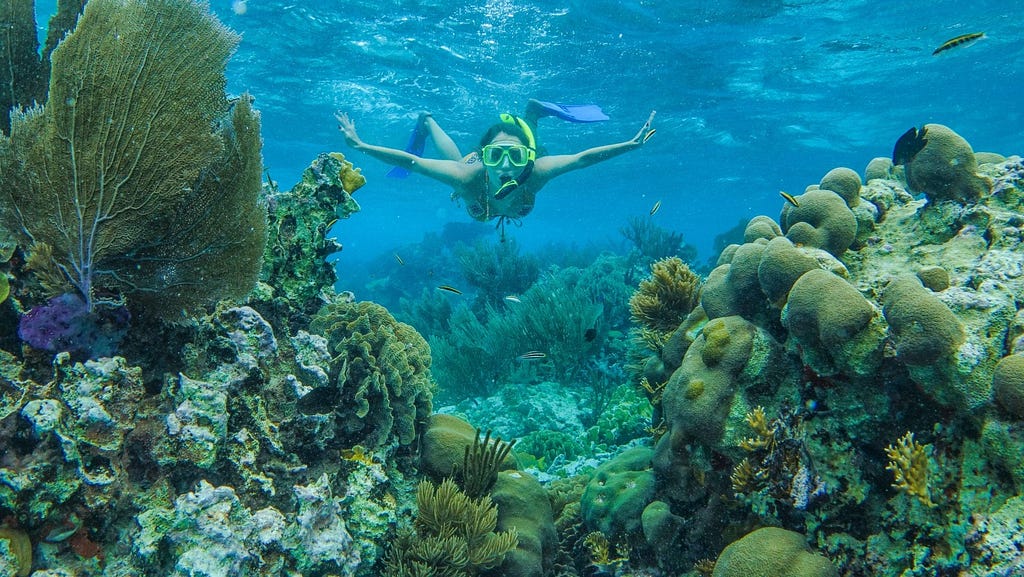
729	355
923	327
523	505
614	499
945	169
772	552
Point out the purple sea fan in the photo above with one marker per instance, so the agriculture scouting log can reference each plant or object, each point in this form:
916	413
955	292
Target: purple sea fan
65	323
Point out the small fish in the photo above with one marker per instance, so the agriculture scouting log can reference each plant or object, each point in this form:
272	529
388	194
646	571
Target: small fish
655	208
450	289
909	145
648	135
959	40
531	355
590	334
513	299
399	259
789	198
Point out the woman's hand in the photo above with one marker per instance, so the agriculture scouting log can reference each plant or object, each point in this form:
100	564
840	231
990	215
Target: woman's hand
348	129
646	132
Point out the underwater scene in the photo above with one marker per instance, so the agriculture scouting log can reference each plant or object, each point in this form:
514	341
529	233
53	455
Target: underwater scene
523	288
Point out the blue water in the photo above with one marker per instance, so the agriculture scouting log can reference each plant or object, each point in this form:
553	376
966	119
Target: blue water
753	97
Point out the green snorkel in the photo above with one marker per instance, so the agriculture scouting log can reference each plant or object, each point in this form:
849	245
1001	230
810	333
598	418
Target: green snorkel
511	185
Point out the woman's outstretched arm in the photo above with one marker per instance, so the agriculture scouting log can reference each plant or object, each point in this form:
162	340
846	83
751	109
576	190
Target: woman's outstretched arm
552	166
449	172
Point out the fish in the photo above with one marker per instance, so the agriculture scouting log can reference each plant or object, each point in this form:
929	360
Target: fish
648	135
789	198
957	41
590	334
450	289
909	145
655	208
531	355
513	299
399	259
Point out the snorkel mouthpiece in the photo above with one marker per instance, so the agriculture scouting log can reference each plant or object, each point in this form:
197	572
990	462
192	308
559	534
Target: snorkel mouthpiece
508	185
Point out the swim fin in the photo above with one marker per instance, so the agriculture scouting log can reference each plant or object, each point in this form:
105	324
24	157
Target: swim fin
417	143
572	112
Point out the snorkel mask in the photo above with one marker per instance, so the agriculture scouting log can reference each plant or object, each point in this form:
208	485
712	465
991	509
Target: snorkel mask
517	155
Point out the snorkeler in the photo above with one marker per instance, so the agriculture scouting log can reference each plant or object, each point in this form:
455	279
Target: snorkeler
500	179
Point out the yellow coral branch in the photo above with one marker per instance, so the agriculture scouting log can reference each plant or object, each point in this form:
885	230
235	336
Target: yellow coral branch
909	462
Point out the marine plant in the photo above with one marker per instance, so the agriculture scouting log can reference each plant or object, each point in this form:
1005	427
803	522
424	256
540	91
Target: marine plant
454	536
652	242
496	269
137	179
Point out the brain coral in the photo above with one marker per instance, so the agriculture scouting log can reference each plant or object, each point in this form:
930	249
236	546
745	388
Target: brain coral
772	552
380	384
1008	384
945	169
922	326
845	182
823	220
833	321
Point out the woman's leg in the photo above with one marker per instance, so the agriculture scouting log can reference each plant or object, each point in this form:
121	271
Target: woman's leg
445	145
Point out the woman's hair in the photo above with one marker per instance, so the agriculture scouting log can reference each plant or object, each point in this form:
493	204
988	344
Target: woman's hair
503	127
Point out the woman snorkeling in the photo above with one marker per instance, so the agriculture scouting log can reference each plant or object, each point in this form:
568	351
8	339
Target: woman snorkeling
501	178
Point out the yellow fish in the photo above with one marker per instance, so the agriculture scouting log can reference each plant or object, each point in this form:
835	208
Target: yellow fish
655	208
954	42
789	198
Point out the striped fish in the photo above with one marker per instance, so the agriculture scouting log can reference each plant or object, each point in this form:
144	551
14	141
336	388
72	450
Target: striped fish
959	40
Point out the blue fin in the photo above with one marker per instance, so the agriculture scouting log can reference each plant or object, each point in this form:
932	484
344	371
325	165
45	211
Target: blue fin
417	143
573	112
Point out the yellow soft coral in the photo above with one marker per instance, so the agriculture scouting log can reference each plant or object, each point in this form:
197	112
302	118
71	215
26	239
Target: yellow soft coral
909	461
663	300
765	431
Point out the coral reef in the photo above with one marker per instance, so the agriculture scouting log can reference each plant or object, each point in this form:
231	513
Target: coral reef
296	268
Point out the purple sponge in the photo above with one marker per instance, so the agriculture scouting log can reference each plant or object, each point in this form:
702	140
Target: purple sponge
64	323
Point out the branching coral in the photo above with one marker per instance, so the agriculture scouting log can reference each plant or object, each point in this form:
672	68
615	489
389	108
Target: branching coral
909	462
663	300
454	536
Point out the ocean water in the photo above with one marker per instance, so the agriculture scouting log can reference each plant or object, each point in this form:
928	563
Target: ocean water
752	97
